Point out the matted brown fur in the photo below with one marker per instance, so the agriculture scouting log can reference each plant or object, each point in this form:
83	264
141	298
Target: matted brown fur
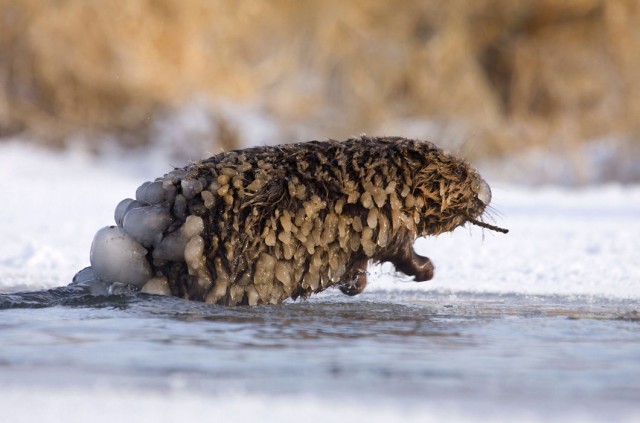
287	221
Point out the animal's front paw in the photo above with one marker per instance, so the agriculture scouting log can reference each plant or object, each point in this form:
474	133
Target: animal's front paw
410	263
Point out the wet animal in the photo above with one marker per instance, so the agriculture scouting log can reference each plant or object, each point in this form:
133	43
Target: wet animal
264	224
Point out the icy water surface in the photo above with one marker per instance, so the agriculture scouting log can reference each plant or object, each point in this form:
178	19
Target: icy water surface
541	356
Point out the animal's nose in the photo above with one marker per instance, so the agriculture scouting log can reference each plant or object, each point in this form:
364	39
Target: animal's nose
483	192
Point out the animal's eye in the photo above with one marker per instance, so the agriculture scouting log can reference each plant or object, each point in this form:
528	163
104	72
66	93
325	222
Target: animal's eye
458	171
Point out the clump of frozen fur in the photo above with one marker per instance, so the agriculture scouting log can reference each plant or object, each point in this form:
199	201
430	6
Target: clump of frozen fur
261	225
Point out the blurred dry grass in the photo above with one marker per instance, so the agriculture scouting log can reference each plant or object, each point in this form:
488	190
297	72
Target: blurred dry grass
514	73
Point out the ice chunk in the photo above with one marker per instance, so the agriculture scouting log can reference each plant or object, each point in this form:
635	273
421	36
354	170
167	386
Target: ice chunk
193	254
171	248
180	206
87	279
123	208
173	245
151	192
194	225
141	190
191	188
117	257
86	275
147	224
157	286
175	175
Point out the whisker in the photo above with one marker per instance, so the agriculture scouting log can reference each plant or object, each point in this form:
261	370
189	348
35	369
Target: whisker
492	214
488	215
496	213
470	146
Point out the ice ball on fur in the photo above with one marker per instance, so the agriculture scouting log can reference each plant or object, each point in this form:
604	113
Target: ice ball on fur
151	192
117	257
157	286
173	246
123	208
147	224
191	187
